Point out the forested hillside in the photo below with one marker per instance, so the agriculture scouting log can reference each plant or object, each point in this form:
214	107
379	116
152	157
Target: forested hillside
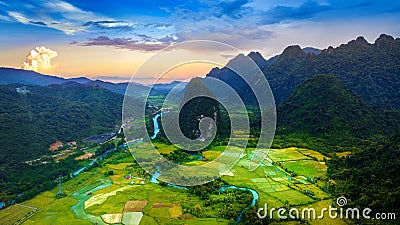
370	178
33	117
33	120
370	71
323	108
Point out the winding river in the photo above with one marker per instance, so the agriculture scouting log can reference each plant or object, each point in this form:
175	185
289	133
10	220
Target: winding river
253	202
154	177
82	195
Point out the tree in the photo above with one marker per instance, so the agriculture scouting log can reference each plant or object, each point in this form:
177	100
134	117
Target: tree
197	208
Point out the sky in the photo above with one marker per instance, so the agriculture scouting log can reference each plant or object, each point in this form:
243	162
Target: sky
110	40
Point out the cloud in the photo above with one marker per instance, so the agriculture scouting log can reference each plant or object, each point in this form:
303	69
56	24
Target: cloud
70	12
306	10
129	43
5	18
38	23
70	19
39	59
158	25
19	17
3	3
234	9
112	24
206	9
227	56
57	14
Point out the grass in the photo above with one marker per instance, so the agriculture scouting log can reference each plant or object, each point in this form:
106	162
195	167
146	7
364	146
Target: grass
164	148
286	154
120	166
160	212
271	182
57	212
312	153
268	185
175	211
134	206
307	168
148	220
292	196
201	221
218	148
211	155
12	214
194	163
318	193
153	194
274	185
41	200
98	199
112	218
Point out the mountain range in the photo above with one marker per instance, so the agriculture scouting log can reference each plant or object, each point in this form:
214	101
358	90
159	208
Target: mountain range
28	77
337	99
370	71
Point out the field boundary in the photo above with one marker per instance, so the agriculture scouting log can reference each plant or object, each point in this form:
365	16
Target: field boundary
28	215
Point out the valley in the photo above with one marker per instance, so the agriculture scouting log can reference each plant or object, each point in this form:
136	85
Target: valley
292	178
67	157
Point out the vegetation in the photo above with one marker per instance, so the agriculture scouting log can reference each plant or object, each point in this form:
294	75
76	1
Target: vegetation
33	120
370	178
326	116
368	70
337	135
197	108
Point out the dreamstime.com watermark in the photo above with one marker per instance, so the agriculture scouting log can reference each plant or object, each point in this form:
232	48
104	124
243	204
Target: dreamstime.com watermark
332	212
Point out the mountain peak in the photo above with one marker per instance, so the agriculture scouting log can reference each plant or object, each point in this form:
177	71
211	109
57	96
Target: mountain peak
312	50
324	100
239	58
361	39
258	59
384	41
254	55
358	42
196	88
291	52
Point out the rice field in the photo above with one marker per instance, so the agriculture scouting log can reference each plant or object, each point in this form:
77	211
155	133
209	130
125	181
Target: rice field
307	168
164	148
150	203
292	196
15	213
286	154
313	154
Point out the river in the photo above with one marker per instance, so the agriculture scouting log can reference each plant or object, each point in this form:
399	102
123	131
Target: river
82	196
253	202
154	177
156	126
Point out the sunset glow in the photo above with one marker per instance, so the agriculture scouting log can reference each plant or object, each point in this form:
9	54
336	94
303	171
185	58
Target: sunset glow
110	40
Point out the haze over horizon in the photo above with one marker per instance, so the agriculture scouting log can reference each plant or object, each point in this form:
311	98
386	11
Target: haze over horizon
110	40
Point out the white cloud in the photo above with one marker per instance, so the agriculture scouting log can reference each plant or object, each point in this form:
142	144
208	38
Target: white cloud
71	12
39	59
3	3
5	18
19	17
59	15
